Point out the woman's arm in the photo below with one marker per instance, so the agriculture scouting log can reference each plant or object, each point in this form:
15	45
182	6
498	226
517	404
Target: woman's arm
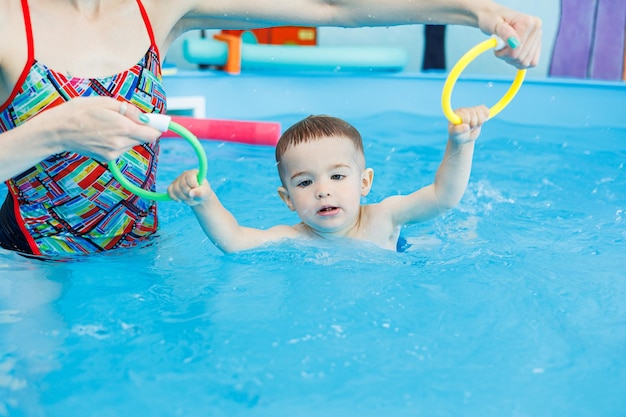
346	13
522	31
93	127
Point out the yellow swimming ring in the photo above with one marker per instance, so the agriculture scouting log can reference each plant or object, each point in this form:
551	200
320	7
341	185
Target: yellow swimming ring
458	68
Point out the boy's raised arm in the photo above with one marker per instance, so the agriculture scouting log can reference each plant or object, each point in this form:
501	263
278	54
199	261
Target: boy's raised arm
452	175
218	223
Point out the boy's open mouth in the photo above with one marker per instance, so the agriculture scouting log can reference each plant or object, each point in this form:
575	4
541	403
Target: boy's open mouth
327	211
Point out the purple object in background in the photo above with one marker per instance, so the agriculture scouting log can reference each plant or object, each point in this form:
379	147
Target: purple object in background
607	56
590	40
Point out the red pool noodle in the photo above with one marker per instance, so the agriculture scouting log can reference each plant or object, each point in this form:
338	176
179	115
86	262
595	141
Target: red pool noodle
249	132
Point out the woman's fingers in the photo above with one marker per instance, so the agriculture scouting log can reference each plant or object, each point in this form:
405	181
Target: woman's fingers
522	34
102	128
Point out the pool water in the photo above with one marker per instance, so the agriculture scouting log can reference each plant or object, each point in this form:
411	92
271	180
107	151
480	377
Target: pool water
511	304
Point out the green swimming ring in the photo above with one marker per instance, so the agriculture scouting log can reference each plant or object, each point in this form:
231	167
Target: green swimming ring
150	195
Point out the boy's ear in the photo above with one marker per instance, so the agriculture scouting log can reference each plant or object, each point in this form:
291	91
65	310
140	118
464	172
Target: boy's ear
367	178
284	195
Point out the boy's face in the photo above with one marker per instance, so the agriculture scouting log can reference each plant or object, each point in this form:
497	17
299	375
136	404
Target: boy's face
324	181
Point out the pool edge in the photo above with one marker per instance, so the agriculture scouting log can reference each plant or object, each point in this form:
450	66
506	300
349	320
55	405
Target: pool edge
257	95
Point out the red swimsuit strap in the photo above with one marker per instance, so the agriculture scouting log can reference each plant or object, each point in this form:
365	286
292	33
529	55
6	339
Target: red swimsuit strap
29	60
146	20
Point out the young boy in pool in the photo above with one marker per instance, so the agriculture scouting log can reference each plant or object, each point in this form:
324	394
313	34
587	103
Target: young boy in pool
322	169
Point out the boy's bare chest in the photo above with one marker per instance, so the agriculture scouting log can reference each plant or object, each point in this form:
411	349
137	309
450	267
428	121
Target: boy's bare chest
376	226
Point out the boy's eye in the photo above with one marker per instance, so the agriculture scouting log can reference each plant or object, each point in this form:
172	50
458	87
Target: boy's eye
305	183
337	177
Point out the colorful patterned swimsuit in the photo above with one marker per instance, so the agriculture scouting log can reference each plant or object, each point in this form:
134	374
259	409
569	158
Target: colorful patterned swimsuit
68	203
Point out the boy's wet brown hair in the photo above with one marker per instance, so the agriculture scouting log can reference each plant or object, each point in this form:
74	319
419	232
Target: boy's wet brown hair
313	128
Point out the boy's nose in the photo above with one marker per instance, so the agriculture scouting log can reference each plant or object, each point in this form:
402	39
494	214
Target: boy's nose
323	191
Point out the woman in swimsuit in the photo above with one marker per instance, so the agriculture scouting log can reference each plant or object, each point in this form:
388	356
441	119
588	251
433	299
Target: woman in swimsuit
77	75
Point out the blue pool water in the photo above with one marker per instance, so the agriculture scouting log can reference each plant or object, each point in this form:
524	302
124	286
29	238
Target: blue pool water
512	304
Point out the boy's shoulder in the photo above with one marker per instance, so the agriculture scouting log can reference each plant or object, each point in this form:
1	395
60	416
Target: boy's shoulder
383	207
285	231
377	214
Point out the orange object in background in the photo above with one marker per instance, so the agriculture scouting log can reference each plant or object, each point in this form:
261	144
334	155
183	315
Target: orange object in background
283	35
233	60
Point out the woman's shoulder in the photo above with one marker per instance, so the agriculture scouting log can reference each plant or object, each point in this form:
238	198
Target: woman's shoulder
10	16
13	47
